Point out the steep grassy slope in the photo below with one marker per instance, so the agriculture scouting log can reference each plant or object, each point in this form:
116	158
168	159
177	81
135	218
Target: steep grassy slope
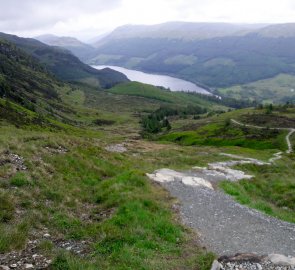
26	82
110	211
65	185
65	65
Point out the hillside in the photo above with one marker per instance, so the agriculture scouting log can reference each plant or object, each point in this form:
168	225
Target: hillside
217	60
64	65
78	48
24	81
43	157
75	195
279	89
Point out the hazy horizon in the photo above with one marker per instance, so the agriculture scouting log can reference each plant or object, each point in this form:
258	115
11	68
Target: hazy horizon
93	18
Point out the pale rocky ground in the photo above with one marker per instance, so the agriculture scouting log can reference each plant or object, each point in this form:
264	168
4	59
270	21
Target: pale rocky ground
225	226
254	262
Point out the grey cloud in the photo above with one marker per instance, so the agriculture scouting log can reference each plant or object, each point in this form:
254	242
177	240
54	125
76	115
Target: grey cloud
35	14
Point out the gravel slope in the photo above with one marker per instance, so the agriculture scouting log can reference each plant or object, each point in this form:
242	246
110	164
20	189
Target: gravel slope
227	227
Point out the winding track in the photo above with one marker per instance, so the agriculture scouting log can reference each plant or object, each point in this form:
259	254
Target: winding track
291	131
225	226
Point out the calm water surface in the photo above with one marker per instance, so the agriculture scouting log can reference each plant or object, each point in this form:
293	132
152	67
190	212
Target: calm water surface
174	84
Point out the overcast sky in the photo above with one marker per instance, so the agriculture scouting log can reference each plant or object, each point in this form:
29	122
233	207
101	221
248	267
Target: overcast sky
90	18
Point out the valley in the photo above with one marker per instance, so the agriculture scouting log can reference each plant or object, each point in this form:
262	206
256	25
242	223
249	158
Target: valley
105	167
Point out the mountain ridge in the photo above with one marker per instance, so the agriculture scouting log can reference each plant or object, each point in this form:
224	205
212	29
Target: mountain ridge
64	65
77	47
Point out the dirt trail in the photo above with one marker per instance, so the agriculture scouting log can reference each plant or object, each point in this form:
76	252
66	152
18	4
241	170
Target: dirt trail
291	131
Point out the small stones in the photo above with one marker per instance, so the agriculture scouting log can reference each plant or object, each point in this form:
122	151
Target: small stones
46	235
77	247
32	258
57	150
15	160
116	148
250	261
18	161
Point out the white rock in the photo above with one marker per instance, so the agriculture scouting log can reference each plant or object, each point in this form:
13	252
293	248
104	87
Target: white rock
35	256
4	267
13	265
196	181
259	267
29	266
165	175
168	175
216	265
281	260
46	235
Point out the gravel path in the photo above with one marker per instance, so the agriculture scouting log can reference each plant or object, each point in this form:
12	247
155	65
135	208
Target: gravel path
291	131
227	227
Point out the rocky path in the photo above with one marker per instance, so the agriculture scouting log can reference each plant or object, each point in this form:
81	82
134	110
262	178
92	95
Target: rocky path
291	131
225	226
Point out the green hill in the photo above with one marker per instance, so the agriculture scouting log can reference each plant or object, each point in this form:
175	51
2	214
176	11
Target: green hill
25	81
279	89
64	65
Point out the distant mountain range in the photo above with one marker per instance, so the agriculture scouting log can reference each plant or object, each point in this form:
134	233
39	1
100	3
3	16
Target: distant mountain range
211	54
180	30
216	55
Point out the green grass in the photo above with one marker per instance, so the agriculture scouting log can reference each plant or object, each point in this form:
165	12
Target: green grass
272	191
6	207
141	231
220	135
19	180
